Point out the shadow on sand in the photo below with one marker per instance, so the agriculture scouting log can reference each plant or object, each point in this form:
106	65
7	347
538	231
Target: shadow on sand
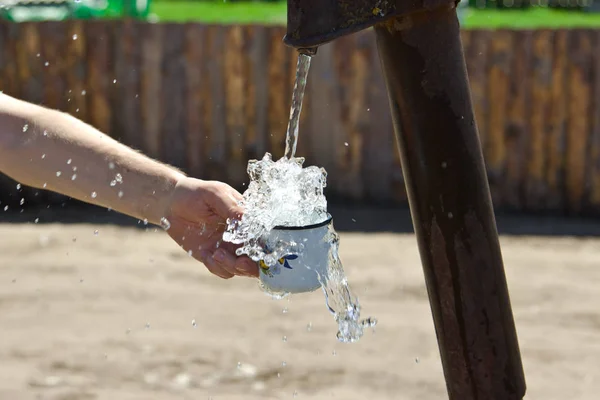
346	219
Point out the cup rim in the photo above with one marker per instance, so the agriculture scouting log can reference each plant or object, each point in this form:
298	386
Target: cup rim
306	227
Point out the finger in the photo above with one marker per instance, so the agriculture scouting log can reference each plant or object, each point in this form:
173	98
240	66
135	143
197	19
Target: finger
213	266
228	262
246	267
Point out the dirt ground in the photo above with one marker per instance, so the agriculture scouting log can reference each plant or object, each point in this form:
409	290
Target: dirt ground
110	316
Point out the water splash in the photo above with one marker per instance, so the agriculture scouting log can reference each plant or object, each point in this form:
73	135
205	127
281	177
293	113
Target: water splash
302	69
339	298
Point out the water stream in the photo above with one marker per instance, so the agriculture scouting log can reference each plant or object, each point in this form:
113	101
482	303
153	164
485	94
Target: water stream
284	193
291	140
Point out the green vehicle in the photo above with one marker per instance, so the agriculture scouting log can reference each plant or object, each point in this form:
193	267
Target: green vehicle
58	10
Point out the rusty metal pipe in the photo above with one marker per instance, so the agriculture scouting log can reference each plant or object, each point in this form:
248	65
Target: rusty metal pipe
451	206
446	181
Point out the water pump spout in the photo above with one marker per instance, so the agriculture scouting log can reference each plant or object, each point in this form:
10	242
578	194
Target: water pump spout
311	23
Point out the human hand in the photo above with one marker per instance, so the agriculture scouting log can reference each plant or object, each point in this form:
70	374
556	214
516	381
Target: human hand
197	214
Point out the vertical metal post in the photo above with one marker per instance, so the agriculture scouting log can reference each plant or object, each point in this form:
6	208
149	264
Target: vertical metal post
449	196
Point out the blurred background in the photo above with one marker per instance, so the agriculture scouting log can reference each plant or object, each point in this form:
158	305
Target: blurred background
95	305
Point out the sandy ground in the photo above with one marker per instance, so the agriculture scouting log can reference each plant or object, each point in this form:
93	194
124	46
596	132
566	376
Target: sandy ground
109	316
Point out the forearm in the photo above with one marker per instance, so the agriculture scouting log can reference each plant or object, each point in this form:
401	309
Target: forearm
48	149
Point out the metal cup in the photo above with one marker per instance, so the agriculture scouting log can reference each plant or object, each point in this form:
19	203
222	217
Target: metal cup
302	272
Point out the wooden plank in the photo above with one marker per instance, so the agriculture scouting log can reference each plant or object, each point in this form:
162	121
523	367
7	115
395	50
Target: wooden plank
11	84
258	91
594	164
501	52
76	70
476	47
98	75
516	135
217	147
196	104
556	142
236	97
353	66
29	63
541	107
151	42
54	34
174	140
579	122
126	84
379	142
324	114
279	92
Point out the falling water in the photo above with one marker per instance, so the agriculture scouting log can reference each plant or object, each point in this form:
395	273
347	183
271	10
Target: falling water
302	69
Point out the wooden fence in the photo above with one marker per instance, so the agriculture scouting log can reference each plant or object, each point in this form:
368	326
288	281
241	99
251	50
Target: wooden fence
208	98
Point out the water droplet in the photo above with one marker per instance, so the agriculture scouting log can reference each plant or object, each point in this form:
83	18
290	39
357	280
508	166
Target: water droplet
18	186
111	165
145	221
239	365
120	194
74	239
113	183
5	208
96	232
75	37
283	364
189	253
94	195
450	215
58	173
74	177
44	185
279	375
295	393
74	169
35	221
147	325
37	55
25	127
165	224
22	202
284	339
114	81
417	360
285	310
45	133
309	327
119	178
444	164
69	161
43	156
46	63
83	92
346	144
194	323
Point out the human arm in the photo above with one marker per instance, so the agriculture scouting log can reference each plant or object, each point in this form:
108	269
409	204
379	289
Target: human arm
48	149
